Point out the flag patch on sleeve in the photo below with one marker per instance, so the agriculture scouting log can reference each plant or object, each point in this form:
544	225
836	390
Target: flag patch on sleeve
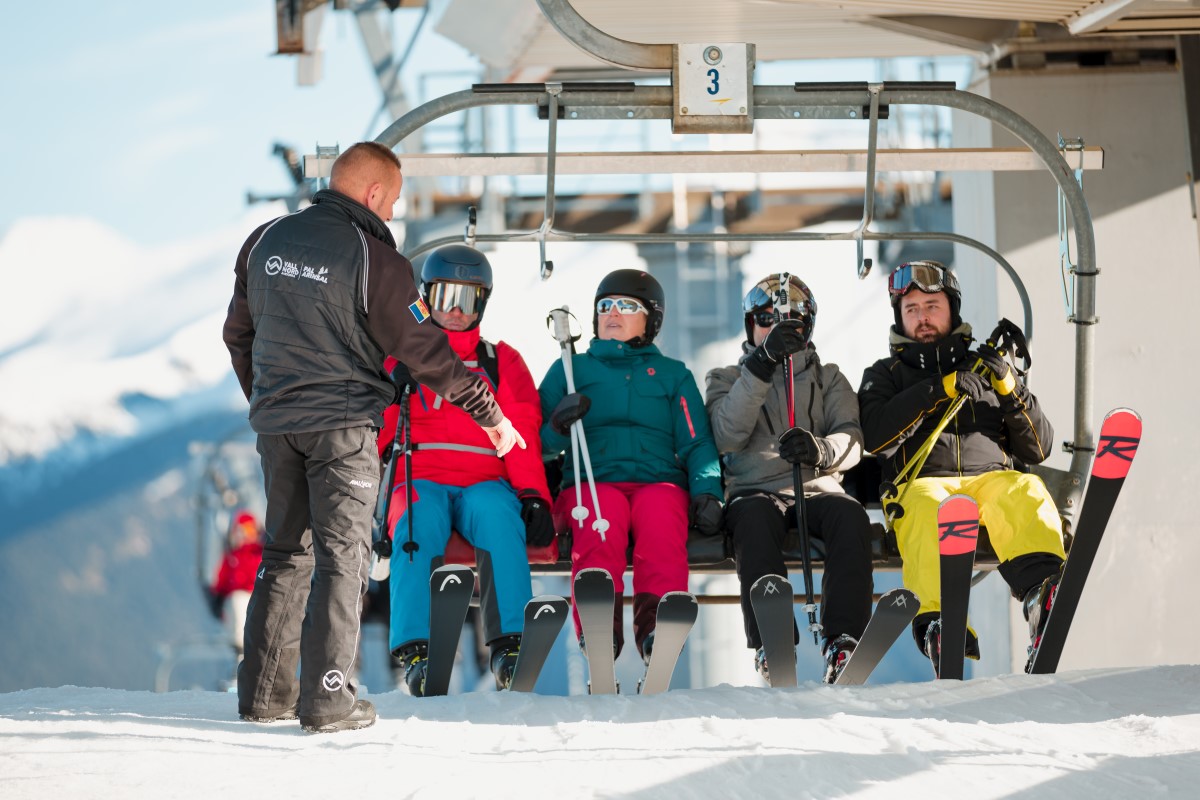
419	310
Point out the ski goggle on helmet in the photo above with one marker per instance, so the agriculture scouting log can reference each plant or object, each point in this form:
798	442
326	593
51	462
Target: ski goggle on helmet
928	276
444	296
626	306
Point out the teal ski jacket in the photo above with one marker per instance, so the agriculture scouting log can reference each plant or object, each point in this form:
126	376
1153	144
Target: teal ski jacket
647	422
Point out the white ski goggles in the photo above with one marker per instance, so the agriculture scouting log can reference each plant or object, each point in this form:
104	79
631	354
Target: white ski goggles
468	297
626	306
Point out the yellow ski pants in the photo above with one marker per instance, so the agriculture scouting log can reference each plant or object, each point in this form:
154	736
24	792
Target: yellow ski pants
1015	507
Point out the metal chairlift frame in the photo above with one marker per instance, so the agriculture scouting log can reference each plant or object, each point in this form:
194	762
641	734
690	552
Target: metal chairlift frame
569	101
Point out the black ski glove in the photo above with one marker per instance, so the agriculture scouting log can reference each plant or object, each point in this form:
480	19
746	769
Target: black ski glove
787	337
539	522
402	377
706	515
569	409
800	447
972	384
1002	378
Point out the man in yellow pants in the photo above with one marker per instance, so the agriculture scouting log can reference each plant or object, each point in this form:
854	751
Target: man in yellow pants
980	453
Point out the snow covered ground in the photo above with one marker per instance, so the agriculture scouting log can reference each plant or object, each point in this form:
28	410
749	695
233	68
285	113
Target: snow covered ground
1113	733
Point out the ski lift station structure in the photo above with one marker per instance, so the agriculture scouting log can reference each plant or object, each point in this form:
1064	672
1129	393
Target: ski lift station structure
1148	236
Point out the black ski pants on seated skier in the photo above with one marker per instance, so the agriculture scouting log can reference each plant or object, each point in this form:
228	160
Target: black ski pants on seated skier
759	523
307	602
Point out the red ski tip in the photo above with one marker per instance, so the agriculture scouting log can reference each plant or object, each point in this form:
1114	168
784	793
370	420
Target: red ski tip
958	525
1120	434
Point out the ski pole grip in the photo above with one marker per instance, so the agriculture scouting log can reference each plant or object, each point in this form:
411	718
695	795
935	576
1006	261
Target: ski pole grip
561	319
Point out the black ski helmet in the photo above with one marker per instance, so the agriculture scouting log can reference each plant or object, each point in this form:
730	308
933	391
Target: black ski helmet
930	277
639	285
457	263
762	295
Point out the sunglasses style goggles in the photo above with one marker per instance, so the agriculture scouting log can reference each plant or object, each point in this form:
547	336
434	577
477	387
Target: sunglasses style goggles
625	306
924	275
467	297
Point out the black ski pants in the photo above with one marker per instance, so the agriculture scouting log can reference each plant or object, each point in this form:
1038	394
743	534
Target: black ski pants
306	608
759	523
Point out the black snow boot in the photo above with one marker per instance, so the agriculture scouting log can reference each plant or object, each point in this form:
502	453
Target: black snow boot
933	644
362	715
414	659
504	660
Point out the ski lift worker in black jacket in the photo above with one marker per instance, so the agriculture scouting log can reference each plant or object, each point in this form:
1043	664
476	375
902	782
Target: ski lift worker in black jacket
979	453
320	298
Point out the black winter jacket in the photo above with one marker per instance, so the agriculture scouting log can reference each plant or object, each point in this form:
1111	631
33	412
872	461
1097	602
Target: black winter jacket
320	298
902	399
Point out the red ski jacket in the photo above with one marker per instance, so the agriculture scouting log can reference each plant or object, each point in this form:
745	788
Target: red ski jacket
450	448
237	570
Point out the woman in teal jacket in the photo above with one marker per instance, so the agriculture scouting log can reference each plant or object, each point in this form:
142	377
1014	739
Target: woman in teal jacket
652	453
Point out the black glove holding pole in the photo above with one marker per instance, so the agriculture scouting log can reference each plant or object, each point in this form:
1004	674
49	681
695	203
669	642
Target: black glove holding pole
787	337
571	408
799	446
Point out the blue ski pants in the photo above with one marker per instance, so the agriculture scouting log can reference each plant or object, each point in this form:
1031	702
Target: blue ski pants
488	515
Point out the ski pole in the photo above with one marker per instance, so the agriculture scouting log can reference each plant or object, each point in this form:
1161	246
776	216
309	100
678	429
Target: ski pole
410	546
562	333
381	543
783	306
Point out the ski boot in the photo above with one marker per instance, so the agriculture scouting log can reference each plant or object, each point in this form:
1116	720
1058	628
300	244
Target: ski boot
647	648
933	645
1036	606
504	660
760	665
414	659
837	655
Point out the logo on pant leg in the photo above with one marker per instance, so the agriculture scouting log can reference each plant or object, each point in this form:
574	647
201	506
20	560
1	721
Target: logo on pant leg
333	680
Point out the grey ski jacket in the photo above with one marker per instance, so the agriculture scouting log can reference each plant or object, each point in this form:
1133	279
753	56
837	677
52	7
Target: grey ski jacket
748	415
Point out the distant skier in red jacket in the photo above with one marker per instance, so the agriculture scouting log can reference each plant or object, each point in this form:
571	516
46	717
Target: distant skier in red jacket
230	592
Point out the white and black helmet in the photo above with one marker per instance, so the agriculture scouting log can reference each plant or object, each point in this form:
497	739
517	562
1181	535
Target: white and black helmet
764	294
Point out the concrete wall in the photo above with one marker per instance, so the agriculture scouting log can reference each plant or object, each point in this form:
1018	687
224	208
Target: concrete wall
1138	607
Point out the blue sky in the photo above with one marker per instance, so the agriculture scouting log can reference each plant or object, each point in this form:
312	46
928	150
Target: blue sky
156	118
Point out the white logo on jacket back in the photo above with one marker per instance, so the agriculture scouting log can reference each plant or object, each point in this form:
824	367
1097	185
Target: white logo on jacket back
277	266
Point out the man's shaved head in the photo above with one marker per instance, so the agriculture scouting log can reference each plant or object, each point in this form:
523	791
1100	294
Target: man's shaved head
368	172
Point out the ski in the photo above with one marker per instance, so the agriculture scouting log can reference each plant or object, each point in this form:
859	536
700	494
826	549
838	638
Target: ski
676	616
450	590
594	602
958	534
544	617
772	601
892	616
1120	434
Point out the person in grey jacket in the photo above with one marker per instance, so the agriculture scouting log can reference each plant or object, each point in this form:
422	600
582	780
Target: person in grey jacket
320	298
747	405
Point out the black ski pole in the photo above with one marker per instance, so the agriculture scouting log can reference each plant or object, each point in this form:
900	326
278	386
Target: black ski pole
783	305
381	542
410	546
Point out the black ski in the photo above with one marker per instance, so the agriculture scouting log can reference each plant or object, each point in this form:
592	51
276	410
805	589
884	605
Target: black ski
544	617
1120	434
676	616
958	534
594	601
772	601
450	590
892	616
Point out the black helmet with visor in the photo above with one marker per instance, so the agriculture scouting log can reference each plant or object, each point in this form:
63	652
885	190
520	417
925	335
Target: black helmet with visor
457	276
